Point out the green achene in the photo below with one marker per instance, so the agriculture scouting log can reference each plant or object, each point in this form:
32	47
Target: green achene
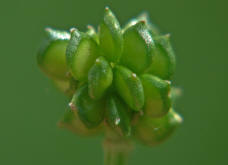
51	56
157	95
72	122
129	87
99	78
91	112
138	47
164	62
118	116
81	53
111	38
153	131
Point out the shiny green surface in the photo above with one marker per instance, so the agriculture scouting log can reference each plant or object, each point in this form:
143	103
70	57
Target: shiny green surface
138	47
99	78
157	99
81	54
91	112
51	56
30	106
153	131
129	87
110	35
72	122
163	62
117	116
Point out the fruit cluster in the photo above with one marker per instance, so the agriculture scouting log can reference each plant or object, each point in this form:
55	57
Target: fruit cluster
118	79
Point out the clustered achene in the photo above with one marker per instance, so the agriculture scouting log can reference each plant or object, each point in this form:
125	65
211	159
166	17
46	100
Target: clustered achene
117	79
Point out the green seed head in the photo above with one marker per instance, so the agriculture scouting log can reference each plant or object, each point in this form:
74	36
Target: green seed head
118	79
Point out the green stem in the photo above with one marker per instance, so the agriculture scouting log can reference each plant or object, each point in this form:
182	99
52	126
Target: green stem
116	150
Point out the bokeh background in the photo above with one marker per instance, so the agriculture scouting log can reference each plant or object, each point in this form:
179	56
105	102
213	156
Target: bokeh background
30	106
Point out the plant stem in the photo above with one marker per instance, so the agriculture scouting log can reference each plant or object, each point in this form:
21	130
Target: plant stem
116	150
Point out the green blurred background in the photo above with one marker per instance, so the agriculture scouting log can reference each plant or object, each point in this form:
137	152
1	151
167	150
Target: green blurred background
30	106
